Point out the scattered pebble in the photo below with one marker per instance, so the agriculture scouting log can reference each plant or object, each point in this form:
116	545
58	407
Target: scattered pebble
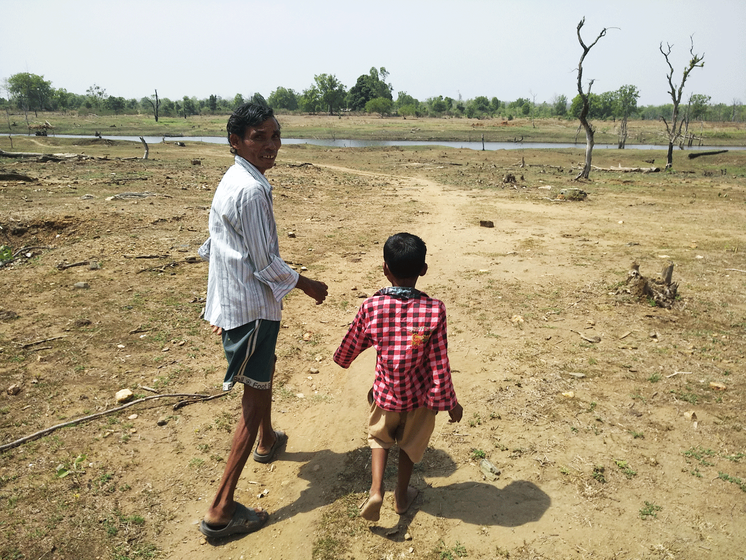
124	395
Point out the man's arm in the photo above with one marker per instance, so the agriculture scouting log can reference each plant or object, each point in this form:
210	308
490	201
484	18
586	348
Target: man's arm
312	288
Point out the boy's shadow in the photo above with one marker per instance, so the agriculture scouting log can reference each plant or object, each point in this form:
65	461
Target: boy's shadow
477	503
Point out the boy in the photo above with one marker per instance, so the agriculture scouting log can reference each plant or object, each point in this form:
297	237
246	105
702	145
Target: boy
413	376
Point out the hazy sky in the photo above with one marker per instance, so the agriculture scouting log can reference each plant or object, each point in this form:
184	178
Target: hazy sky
496	48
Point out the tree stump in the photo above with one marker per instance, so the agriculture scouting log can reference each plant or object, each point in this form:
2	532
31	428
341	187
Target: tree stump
662	292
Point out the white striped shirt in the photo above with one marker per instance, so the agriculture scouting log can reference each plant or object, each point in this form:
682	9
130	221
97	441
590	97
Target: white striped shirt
247	278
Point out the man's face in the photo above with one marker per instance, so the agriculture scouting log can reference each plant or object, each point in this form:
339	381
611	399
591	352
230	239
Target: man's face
260	144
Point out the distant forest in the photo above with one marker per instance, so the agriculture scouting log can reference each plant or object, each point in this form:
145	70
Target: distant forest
31	93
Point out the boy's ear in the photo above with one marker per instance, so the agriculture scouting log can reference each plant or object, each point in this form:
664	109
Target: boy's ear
424	270
386	271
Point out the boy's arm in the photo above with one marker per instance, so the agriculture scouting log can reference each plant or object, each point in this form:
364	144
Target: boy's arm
354	342
442	395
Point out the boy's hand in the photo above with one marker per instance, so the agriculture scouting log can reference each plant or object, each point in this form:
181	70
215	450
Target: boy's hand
456	413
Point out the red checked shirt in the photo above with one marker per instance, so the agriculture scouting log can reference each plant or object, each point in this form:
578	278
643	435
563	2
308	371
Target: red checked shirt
408	330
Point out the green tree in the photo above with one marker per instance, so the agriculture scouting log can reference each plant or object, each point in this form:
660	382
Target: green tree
96	95
559	106
369	86
624	105
238	100
188	107
495	105
310	100
30	92
331	92
114	104
698	106
62	99
481	105
437	105
380	105
406	105
212	103
283	98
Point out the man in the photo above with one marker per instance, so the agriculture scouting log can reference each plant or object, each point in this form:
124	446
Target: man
246	283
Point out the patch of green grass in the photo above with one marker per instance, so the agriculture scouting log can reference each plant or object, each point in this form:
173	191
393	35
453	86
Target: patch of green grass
735	458
686	397
478	454
650	510
598	474
625	468
458	550
700	454
636	435
655	378
732	479
475	421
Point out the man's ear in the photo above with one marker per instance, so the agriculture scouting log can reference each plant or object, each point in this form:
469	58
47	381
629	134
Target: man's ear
234	140
424	270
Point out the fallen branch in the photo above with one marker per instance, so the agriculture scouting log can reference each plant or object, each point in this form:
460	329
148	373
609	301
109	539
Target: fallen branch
65	266
29	344
697	154
621	169
735	270
594	340
46	431
680	372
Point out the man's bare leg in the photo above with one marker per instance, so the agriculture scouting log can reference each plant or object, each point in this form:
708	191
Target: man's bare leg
255	405
371	509
404	494
266	434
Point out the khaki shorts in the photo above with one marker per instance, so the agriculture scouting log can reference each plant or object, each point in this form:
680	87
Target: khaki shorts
411	430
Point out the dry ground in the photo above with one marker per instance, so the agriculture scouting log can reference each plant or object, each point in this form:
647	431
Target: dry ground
629	447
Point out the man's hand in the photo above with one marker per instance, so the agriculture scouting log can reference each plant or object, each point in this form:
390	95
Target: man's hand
313	289
456	413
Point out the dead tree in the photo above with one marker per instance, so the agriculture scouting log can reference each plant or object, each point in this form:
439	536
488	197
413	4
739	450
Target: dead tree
673	129
155	104
589	132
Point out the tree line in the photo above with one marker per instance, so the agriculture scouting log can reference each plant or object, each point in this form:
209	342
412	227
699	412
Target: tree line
371	93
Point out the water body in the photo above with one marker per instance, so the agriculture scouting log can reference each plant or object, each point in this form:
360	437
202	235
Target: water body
487	146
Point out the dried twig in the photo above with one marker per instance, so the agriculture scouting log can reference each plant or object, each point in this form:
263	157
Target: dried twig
680	372
46	431
64	266
29	344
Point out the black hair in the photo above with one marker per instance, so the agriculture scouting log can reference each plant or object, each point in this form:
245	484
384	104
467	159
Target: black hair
252	113
404	254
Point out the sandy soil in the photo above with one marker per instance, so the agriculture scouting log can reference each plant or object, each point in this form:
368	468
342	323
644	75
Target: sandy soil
617	427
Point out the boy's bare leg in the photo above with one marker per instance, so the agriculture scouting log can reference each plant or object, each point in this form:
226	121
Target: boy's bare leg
255	405
371	509
404	494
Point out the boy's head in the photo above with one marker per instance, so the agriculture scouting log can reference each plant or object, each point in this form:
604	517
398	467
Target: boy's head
404	255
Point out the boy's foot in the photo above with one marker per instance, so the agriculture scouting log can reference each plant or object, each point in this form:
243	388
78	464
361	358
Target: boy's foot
402	508
371	508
